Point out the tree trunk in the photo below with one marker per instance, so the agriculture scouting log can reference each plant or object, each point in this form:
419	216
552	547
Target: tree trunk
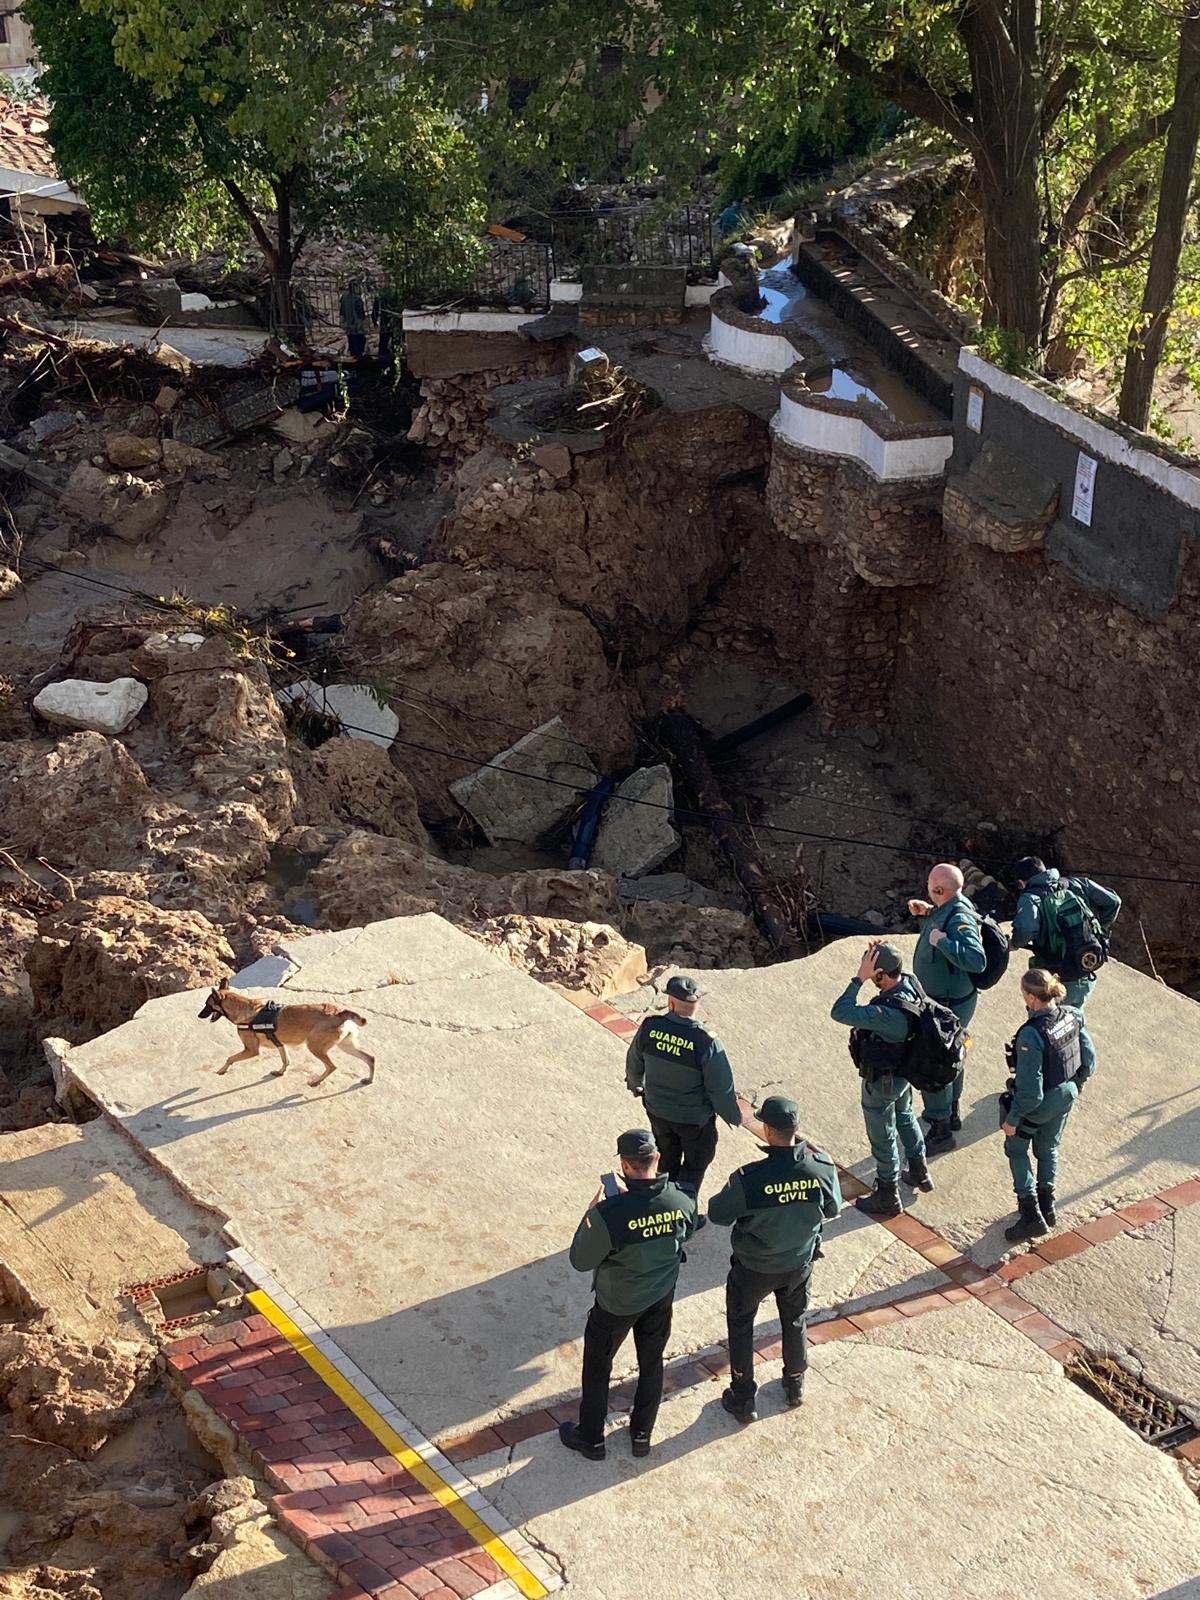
286	317
1004	47
1148	335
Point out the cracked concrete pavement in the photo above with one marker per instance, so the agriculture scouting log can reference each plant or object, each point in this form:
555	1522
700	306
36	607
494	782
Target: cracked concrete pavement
942	1456
425	1221
1135	1131
1137	1298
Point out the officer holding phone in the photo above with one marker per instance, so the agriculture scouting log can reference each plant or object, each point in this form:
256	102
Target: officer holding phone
681	1072
631	1239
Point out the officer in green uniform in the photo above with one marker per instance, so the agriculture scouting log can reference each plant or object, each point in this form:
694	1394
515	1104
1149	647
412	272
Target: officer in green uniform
777	1208
1035	879
682	1073
949	950
633	1243
877	1040
1051	1059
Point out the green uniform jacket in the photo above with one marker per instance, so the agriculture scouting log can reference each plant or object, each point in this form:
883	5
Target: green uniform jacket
1105	903
777	1208
875	1017
1032	1102
682	1071
633	1244
945	972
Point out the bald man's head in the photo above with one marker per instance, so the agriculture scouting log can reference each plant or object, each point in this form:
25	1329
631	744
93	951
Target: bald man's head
945	881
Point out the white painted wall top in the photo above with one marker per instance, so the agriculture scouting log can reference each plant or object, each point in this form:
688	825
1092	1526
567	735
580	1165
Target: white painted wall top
1100	441
836	433
467	321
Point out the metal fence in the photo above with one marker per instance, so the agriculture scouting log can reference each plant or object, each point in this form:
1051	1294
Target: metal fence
505	273
686	238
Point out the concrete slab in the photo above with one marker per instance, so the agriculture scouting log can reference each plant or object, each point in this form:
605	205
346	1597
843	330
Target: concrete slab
943	1456
64	1183
425	1221
1137	1298
1135	1131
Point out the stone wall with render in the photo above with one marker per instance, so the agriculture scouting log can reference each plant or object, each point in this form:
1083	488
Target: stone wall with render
452	418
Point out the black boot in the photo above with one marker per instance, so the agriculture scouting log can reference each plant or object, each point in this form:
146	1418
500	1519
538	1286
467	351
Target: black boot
568	1434
955	1119
916	1174
939	1137
793	1390
1030	1224
1046	1205
742	1408
883	1201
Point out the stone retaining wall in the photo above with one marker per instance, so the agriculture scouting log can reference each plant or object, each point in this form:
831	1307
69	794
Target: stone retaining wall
452	418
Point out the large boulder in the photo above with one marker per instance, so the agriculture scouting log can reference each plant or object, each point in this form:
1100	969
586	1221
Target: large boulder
124	504
80	802
468	658
98	707
351	781
365	878
679	935
351	704
95	962
584	961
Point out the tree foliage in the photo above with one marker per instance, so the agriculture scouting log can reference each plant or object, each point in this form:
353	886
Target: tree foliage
1063	106
193	122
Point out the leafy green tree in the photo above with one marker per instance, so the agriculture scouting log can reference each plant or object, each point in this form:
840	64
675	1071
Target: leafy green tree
195	122
1056	102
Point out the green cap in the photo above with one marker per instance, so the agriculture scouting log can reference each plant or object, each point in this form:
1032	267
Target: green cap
780	1113
681	987
889	960
637	1145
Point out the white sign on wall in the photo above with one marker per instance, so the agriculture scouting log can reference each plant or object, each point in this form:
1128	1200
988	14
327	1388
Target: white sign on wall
975	409
1085	488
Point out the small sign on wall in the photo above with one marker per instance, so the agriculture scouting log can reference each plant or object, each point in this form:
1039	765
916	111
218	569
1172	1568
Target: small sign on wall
1085	488
975	409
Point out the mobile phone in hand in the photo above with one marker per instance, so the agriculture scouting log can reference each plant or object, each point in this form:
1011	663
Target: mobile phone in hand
608	1182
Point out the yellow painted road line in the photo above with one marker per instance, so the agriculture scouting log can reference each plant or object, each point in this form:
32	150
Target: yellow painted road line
509	1563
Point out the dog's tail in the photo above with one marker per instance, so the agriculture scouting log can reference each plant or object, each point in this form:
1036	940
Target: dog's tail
353	1016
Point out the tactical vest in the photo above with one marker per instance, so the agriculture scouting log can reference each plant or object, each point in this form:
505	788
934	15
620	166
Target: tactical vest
1058	1027
872	1055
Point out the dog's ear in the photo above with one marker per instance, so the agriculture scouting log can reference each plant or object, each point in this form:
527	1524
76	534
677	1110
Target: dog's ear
223	985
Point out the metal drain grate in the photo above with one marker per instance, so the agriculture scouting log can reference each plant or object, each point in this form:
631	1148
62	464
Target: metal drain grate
1151	1415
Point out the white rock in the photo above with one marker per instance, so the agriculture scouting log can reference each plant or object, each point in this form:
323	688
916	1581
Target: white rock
159	644
355	707
518	806
636	838
96	707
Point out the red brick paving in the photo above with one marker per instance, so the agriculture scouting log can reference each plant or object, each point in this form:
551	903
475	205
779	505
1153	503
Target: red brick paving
354	1508
1060	1246
1144	1211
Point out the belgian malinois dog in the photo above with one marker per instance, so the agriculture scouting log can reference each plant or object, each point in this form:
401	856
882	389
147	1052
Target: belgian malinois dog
320	1027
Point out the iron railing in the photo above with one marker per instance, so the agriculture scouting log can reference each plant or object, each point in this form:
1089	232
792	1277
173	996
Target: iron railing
686	238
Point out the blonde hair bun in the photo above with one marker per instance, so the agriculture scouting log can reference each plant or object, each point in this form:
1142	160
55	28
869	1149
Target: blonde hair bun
1043	985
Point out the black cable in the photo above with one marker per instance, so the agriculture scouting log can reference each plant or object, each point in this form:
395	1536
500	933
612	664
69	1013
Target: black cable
708	816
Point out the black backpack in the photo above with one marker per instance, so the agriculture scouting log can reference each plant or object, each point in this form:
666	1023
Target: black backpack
1069	938
995	950
933	1052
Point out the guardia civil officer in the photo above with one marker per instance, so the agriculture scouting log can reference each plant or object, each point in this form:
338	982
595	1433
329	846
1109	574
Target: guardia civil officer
1036	880
683	1075
948	952
1051	1058
879	1032
633	1244
777	1208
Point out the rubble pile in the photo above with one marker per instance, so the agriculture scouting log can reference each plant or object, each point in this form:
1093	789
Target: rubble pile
129	1522
450	421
